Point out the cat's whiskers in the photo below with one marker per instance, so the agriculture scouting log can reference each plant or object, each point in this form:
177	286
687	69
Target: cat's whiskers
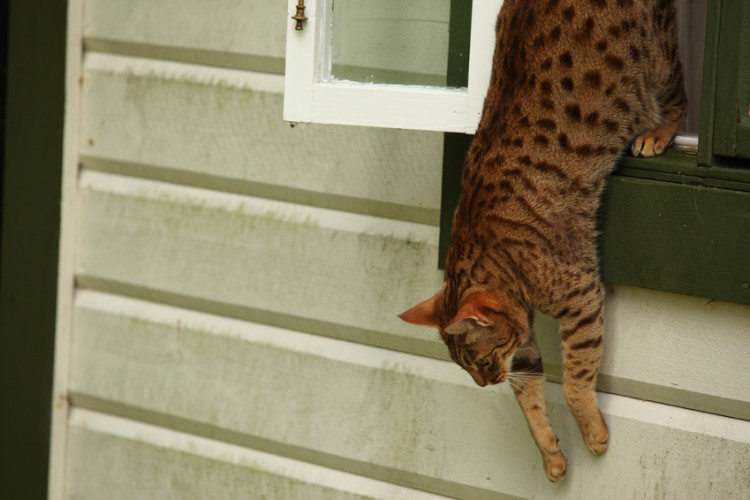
533	376
506	388
521	349
516	387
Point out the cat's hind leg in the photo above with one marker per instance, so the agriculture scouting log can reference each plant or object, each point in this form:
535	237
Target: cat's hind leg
655	142
527	380
672	102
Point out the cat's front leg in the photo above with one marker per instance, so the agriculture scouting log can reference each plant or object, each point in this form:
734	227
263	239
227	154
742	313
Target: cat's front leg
527	380
582	335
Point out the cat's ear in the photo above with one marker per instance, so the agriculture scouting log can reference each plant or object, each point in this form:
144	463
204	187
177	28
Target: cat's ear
479	309
425	313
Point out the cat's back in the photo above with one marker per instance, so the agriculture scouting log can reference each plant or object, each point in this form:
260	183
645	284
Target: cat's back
573	83
580	75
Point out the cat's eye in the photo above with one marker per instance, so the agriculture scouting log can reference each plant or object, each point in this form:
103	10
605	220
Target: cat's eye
482	362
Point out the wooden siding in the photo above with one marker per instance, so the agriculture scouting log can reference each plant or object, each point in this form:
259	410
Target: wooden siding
222	129
208	250
375	412
233	325
155	462
236	34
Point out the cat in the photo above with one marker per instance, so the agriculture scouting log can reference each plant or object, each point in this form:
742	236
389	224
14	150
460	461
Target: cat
573	84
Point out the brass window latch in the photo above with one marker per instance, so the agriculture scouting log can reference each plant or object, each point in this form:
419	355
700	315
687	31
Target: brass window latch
300	15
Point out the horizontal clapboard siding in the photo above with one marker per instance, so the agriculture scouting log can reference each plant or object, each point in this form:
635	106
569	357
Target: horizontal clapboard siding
222	129
311	269
396	417
240	34
321	271
679	350
234	329
136	459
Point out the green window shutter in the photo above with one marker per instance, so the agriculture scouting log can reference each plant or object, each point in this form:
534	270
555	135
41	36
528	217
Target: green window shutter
725	114
679	222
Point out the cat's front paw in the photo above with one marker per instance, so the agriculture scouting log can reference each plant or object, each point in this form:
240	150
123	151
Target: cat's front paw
555	465
596	435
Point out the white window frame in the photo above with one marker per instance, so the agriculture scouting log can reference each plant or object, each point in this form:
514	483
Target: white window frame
311	95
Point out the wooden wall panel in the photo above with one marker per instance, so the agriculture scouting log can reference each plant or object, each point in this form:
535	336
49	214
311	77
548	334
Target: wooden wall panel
368	411
222	129
243	34
666	347
348	275
234	331
137	460
305	268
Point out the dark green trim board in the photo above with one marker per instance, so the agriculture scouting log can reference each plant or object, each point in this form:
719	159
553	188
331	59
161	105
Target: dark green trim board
459	38
31	216
455	147
732	80
708	88
681	167
725	110
663	227
679	222
684	239
3	86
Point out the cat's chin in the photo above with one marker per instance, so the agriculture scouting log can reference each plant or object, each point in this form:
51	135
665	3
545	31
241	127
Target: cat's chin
482	381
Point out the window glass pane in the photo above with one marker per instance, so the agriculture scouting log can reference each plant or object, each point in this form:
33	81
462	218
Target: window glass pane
390	41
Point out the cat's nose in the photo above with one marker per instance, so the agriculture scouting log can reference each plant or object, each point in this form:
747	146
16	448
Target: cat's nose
480	380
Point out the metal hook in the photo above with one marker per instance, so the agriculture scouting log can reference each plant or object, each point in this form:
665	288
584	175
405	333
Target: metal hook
300	16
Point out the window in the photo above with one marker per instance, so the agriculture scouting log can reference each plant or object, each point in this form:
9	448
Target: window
679	222
401	84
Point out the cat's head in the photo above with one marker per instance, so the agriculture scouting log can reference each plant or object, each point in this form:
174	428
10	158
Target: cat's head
482	336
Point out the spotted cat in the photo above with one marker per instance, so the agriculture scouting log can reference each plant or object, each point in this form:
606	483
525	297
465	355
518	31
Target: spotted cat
574	83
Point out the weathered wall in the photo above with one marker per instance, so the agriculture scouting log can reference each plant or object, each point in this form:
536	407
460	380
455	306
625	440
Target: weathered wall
234	330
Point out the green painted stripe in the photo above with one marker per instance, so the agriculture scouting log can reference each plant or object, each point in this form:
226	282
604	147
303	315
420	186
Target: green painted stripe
260	443
264	190
428	347
682	167
249	62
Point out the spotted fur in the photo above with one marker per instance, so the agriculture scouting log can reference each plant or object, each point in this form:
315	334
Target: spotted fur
574	83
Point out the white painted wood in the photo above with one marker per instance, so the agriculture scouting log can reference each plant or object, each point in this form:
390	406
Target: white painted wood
223	129
687	343
245	27
303	266
399	106
303	60
373	412
349	275
186	74
664	347
483	19
295	406
65	278
137	460
395	106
